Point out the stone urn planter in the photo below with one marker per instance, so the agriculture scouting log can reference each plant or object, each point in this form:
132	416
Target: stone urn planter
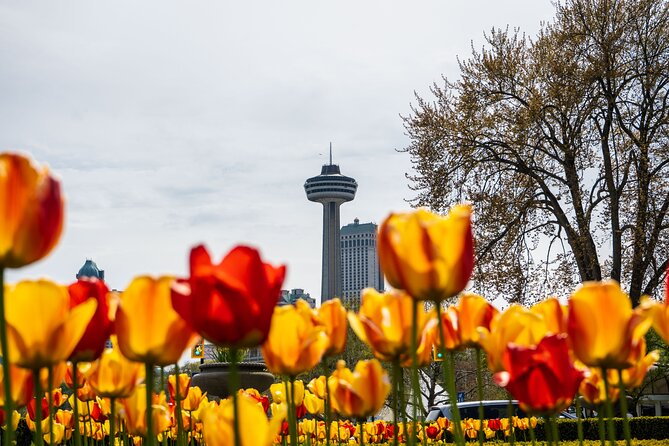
214	377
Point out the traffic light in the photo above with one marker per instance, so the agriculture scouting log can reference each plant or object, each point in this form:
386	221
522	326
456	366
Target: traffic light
198	350
437	354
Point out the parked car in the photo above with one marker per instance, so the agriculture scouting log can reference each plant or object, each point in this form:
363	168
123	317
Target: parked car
491	409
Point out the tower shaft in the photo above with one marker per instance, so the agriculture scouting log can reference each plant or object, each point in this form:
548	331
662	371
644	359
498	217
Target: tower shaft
331	274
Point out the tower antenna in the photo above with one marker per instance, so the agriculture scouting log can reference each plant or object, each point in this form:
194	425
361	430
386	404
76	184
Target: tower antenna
330	152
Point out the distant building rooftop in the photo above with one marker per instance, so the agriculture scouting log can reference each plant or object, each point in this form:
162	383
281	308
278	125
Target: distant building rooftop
358	228
90	269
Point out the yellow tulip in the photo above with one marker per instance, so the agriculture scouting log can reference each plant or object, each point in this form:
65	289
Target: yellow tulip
46	337
384	323
134	412
114	376
296	341
516	325
58	434
332	314
278	391
362	392
317	386
147	327
429	256
194	398
32	211
603	329
255	429
313	404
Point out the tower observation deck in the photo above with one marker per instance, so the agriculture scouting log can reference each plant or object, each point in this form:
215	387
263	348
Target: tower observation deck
331	188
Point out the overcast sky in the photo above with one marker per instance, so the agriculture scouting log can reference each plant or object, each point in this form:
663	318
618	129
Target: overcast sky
177	123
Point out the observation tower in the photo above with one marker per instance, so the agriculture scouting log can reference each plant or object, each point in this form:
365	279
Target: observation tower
331	189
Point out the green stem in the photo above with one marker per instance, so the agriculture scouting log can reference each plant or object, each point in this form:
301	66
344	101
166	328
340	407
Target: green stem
397	375
234	387
49	380
328	410
509	414
91	440
532	436
362	433
449	381
403	405
150	438
600	425
579	420
75	384
112	420
291	410
38	408
623	408
554	427
177	401
479	385
162	379
452	394
609	409
414	371
8	407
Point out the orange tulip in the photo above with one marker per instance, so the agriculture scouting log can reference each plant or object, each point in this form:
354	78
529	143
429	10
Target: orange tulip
134	412
113	376
554	315
603	329
22	386
467	322
48	336
296	341
147	327
429	256
384	323
633	377
361	393
333	316
659	312
184	384
516	325
32	211
254	428
592	387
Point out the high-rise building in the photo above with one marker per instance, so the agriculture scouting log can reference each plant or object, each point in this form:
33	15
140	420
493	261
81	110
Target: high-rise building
360	261
331	188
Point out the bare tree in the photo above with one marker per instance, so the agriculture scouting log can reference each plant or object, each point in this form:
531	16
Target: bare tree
561	143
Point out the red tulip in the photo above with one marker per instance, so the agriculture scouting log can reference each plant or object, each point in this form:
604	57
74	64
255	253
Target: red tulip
432	432
231	303
494	424
92	343
32	408
542	378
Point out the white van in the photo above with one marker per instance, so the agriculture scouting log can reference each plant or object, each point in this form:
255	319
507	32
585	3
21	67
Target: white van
491	409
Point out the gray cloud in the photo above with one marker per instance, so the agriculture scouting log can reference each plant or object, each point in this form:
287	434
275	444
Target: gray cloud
174	123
